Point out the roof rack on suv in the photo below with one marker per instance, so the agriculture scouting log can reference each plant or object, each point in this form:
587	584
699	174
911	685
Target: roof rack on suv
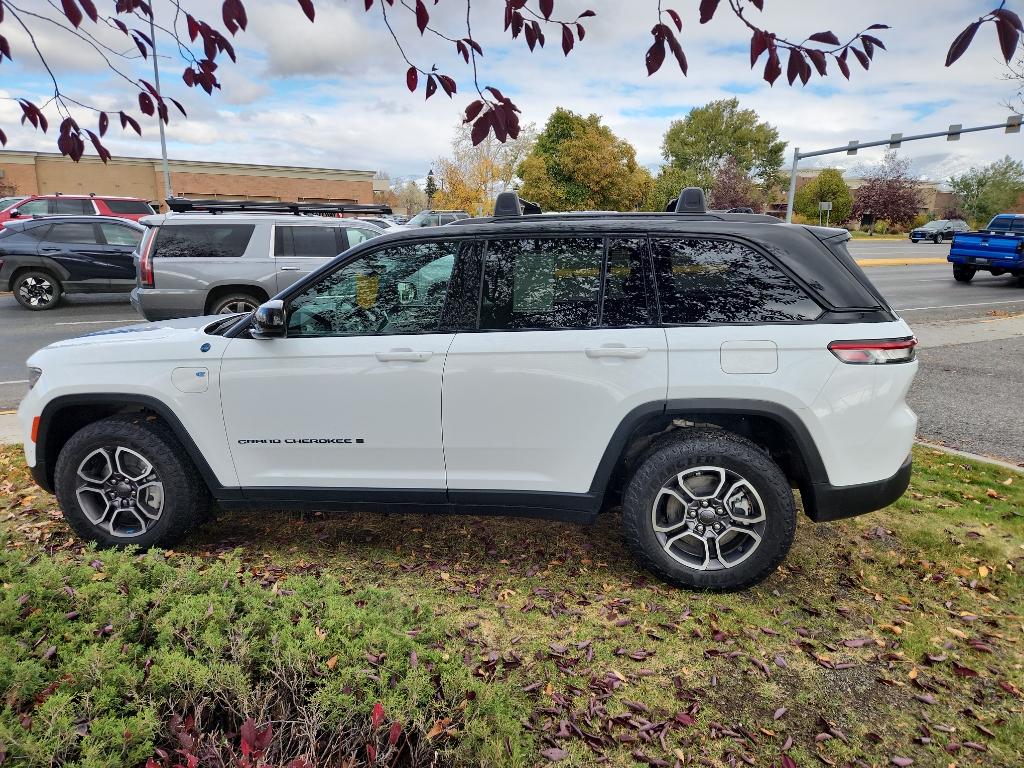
185	205
690	200
509	204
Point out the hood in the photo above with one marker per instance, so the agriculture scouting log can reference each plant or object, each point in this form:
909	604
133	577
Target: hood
141	332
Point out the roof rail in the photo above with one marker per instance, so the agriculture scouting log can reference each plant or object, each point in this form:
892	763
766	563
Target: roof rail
690	200
185	205
509	204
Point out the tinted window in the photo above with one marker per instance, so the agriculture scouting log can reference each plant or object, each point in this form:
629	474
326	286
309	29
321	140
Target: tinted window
717	281
541	283
73	206
207	241
34	208
390	291
447	218
23	235
1001	223
115	234
128	206
318	242
626	300
72	232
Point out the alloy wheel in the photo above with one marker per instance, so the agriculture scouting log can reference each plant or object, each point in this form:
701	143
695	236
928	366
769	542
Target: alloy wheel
708	518
36	291
119	491
238	306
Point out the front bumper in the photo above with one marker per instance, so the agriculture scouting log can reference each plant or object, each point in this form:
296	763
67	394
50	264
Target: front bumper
826	502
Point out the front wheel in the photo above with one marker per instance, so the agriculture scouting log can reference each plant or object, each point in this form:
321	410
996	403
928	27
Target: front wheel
936	239
709	510
963	274
915	239
37	290
126	480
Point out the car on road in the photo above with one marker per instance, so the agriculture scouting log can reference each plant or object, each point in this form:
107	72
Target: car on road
938	230
218	261
44	259
997	249
692	367
130	208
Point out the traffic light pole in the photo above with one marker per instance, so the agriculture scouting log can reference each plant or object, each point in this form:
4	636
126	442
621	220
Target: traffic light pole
1012	125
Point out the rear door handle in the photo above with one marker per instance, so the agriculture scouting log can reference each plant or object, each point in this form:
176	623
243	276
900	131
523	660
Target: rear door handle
403	355
289	269
629	353
47	249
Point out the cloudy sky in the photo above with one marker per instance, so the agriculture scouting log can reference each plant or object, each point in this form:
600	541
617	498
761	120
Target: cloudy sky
332	94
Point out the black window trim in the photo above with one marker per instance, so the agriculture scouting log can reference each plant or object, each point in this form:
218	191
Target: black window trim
825	307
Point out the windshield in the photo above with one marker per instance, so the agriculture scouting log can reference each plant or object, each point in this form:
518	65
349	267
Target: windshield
423	219
939	224
6	202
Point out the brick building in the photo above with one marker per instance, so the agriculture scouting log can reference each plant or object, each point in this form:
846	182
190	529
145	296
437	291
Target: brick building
27	173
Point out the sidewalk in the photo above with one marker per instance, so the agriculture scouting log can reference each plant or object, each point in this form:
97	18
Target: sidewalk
10	432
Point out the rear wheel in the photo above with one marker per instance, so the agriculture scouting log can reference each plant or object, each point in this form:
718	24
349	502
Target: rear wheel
936	239
126	480
915	239
233	303
709	510
963	274
37	290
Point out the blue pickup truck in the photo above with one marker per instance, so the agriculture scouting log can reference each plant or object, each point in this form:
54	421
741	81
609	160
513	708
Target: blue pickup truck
998	248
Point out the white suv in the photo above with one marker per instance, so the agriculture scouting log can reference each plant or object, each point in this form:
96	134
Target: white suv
692	367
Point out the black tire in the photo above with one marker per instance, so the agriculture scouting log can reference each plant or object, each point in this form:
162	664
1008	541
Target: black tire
736	456
963	274
936	239
238	301
915	239
185	499
37	289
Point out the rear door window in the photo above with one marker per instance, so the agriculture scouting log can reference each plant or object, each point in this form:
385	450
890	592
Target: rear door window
720	281
202	241
115	234
541	282
73	232
308	242
627	301
73	206
136	207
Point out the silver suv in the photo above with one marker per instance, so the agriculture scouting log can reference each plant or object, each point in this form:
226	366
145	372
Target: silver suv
226	259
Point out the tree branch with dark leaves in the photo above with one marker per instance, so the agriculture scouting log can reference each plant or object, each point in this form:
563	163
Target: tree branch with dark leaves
204	44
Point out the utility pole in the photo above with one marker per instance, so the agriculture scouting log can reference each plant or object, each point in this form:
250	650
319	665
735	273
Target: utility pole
159	122
1012	125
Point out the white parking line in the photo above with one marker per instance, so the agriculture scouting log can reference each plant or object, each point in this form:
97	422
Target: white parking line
91	322
15	381
955	306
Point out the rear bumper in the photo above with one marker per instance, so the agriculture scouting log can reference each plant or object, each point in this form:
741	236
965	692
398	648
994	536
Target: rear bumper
986	260
156	304
834	502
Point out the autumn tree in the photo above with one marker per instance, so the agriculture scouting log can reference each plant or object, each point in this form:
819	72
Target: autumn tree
578	163
410	197
889	192
472	176
200	46
666	186
984	192
709	136
827	187
732	187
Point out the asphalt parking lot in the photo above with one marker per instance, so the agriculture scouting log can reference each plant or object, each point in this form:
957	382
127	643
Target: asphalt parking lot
972	343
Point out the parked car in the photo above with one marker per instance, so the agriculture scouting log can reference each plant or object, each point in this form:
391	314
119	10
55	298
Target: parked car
998	249
7	202
131	208
221	263
42	260
691	367
434	219
938	230
380	222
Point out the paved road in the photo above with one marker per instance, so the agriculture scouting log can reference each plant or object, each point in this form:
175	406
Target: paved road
971	344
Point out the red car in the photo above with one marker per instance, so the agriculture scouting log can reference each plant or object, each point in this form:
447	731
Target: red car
133	208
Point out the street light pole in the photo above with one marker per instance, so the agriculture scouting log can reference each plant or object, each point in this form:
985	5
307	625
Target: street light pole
159	122
792	186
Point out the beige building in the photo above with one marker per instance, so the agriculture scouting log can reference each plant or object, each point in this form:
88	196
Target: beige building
30	173
935	198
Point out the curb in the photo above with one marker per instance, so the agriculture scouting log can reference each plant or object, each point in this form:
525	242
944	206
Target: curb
900	262
972	456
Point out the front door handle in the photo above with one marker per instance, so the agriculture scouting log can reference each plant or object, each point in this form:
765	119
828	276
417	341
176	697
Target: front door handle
404	356
47	249
629	353
289	269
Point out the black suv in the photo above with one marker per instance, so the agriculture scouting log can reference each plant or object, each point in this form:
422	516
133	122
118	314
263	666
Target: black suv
938	230
43	259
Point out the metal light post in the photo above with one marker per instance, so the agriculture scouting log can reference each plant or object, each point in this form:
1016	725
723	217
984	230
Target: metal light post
156	82
1012	125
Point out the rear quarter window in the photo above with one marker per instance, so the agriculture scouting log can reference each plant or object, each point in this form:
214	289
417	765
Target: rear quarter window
129	206
215	241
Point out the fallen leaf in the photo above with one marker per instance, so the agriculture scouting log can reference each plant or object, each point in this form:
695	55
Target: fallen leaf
332	662
554	754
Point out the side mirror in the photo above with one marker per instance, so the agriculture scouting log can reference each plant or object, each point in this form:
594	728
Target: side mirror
14	213
268	320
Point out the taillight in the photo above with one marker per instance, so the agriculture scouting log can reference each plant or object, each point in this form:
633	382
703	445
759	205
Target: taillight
875	351
146	259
